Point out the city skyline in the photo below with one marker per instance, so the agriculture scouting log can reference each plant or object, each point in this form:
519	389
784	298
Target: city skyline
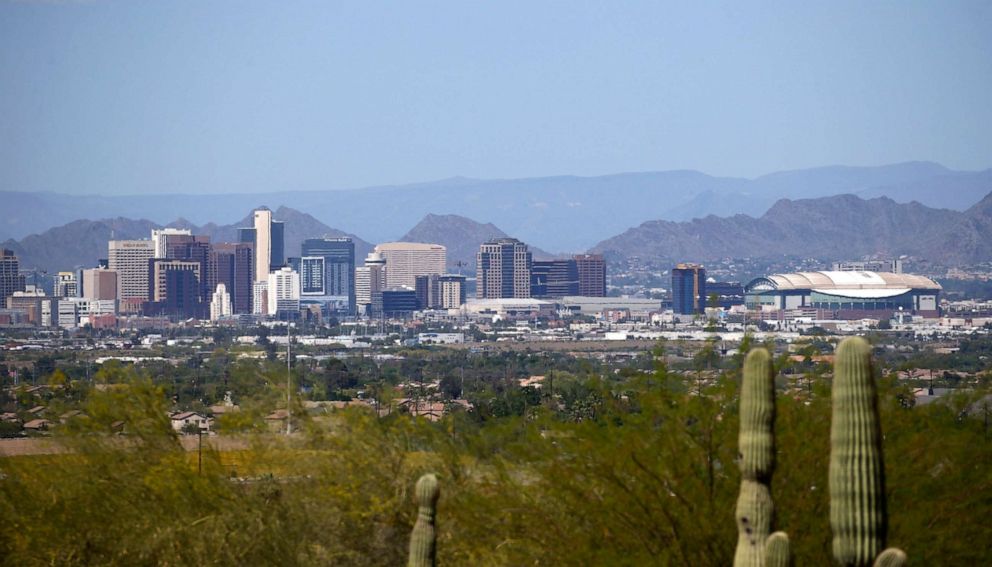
516	283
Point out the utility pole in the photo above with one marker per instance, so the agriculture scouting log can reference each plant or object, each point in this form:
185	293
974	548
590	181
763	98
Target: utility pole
289	380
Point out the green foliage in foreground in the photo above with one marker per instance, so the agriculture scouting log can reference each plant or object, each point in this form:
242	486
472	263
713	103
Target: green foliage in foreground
648	479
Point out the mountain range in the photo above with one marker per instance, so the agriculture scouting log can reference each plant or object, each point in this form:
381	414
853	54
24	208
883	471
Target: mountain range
830	228
559	214
462	237
83	242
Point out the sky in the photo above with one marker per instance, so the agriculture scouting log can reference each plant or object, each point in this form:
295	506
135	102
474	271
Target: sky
212	96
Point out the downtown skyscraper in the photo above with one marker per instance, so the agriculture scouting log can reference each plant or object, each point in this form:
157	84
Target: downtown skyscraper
268	237
339	266
503	269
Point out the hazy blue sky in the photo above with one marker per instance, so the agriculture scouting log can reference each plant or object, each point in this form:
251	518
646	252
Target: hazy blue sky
218	96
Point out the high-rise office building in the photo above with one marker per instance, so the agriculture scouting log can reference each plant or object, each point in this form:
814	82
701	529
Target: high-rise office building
268	237
232	264
158	271
193	249
554	278
428	290
451	291
503	269
407	260
263	244
592	274
174	288
312	276
159	237
220	303
246	235
99	284
370	281
129	258
34	304
10	278
260	298
688	289
284	292
66	285
277	231
339	265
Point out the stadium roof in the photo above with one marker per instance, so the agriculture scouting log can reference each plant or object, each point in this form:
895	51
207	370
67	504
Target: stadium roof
851	283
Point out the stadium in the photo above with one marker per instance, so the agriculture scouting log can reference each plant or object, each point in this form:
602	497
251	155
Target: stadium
845	295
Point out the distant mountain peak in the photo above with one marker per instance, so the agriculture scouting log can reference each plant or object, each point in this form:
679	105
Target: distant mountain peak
460	235
82	242
828	228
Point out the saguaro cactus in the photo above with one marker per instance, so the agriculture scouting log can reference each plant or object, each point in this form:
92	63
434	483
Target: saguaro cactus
756	446
424	536
857	479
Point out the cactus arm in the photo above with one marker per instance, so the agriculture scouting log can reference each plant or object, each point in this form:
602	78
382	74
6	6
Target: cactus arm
777	550
424	536
891	557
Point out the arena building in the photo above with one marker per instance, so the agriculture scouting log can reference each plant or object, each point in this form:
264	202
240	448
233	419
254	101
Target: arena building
845	295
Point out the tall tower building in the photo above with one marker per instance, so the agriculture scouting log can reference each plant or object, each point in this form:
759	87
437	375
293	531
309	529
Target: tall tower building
277	239
233	264
312	276
67	285
269	239
263	244
592	274
99	284
175	287
370	282
220	303
428	289
503	269
10	278
129	258
159	238
260	298
452	291
284	291
688	289
554	278
339	265
194	249
407	260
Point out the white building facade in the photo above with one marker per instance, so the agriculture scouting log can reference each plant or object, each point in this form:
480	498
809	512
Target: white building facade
407	260
284	291
220	303
370	281
129	258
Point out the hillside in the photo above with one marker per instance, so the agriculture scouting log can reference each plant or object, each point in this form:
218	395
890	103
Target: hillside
842	226
83	242
461	236
79	243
